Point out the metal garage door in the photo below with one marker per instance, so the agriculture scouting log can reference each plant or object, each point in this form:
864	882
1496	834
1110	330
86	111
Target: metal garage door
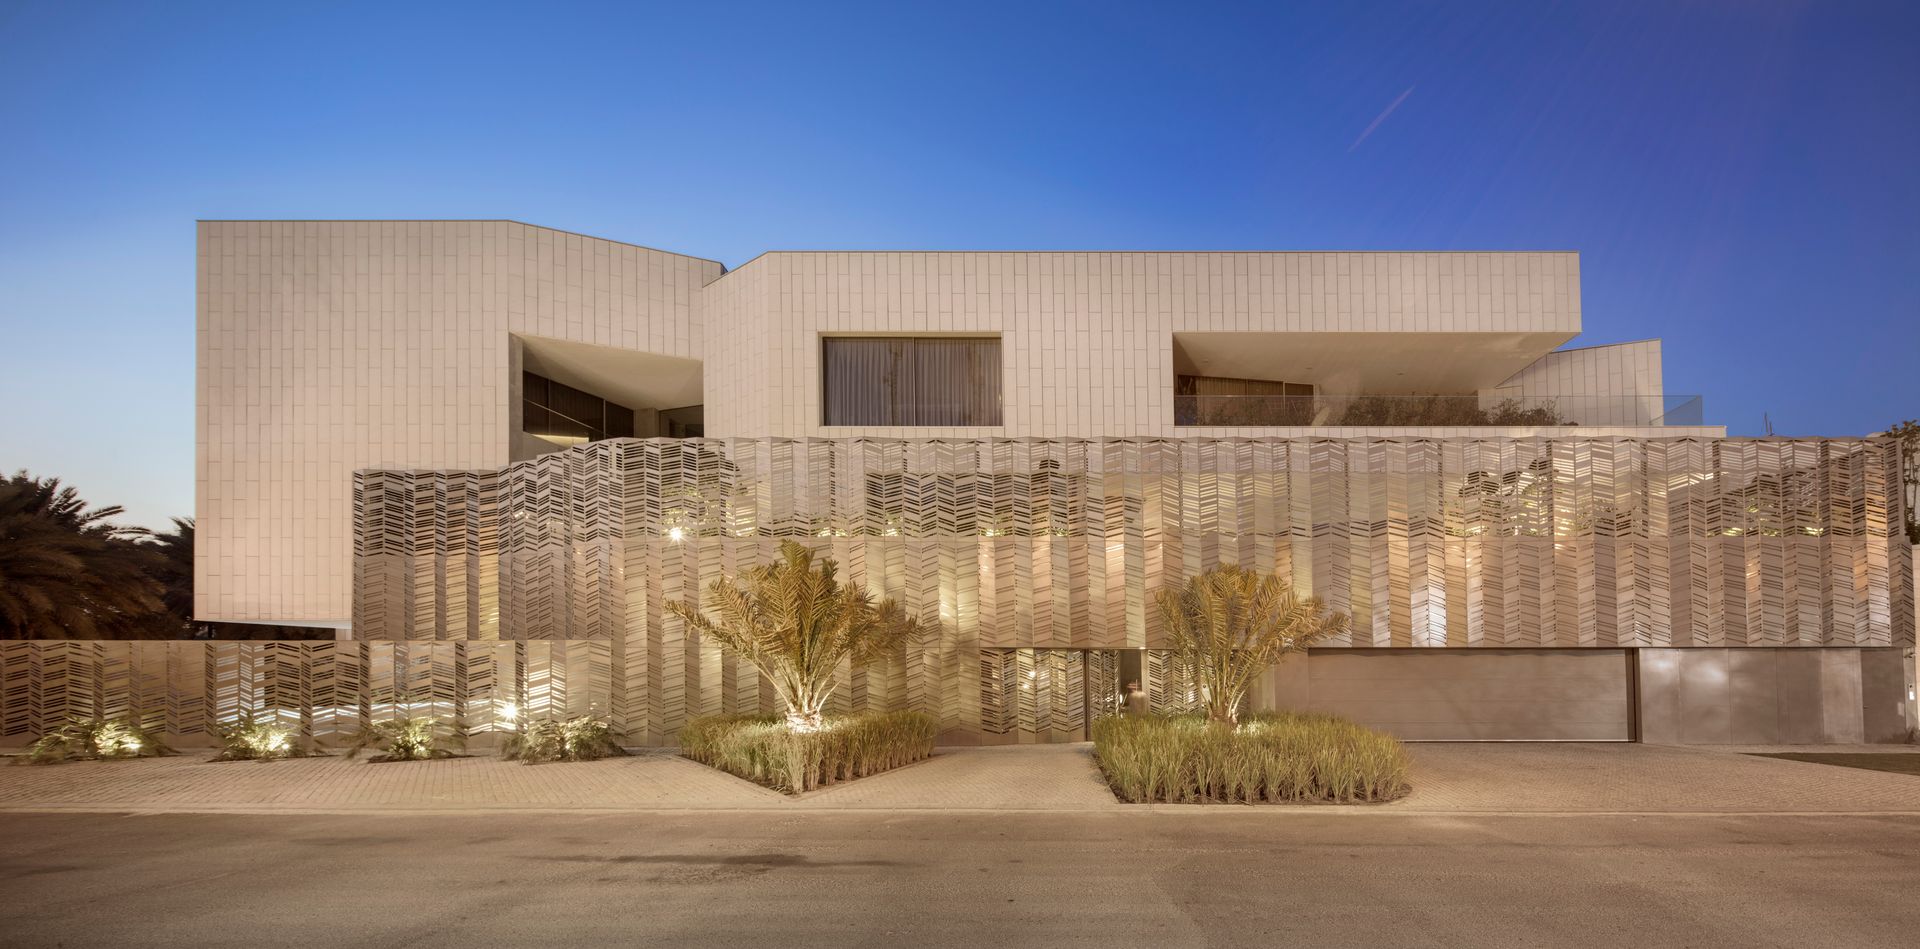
1477	694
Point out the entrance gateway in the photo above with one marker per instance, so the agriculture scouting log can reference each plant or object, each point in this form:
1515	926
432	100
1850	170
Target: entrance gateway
1475	694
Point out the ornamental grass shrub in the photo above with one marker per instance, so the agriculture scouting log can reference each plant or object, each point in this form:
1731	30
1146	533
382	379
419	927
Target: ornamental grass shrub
94	739
253	740
406	739
766	750
581	738
1270	757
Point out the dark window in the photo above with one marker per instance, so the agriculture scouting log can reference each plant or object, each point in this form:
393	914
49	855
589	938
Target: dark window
619	421
911	380
562	413
533	404
685	422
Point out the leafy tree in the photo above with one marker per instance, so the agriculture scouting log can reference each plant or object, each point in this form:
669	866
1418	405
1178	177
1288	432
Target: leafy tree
1228	625
795	622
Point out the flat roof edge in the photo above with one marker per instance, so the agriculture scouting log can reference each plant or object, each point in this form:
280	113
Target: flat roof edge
446	220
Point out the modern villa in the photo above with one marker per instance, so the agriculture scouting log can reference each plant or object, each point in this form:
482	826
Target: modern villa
487	454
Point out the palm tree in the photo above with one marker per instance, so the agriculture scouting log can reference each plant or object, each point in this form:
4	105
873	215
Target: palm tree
173	567
796	622
1228	625
66	571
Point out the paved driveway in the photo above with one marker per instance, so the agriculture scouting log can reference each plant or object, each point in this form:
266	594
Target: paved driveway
1225	877
1626	778
1448	778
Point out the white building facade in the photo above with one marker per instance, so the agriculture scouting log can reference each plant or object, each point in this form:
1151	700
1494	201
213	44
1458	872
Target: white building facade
486	451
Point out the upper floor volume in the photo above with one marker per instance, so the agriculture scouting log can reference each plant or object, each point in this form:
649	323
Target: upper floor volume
1076	344
330	346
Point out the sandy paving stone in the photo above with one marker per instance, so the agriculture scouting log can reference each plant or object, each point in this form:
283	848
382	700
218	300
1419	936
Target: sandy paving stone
1448	778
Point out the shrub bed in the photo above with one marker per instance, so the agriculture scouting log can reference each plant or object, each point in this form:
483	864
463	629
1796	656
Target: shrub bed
581	738
762	749
253	740
94	739
407	739
1282	757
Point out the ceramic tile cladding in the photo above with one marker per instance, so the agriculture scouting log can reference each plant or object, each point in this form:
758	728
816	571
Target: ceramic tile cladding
1088	336
330	346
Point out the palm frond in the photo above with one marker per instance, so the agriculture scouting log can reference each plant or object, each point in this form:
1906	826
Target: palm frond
1227	625
796	623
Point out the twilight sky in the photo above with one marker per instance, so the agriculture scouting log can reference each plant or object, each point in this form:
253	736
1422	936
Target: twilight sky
1738	177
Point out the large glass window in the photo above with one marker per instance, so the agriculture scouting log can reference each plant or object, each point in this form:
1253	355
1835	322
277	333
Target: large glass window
911	380
565	415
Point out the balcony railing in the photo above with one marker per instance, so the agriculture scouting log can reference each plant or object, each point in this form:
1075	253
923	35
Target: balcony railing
545	421
1434	410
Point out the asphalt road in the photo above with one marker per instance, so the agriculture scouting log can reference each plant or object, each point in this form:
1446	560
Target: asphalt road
1235	877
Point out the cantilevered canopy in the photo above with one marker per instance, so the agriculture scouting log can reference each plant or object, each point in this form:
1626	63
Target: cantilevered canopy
629	377
1370	363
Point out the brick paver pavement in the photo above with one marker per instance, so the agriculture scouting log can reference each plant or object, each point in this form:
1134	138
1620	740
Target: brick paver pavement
1448	778
1601	778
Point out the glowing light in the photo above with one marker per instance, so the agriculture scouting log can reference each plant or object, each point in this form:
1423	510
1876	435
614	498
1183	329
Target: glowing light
509	710
806	724
676	534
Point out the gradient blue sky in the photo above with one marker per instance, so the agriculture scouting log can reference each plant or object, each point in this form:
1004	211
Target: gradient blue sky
1739	177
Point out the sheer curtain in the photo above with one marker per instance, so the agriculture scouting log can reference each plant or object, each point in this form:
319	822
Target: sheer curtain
903	380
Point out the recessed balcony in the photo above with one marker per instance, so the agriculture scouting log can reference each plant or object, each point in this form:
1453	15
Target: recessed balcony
569	393
1428	411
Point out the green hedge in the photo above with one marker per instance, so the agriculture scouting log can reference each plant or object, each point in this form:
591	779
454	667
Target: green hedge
1271	757
762	749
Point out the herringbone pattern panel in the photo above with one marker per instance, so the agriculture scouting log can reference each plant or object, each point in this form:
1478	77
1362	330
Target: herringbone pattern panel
1009	548
327	690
